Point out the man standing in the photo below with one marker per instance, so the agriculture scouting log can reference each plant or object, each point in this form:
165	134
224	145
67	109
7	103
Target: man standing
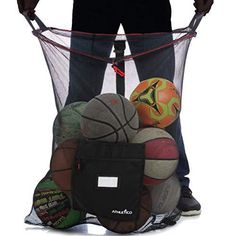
138	16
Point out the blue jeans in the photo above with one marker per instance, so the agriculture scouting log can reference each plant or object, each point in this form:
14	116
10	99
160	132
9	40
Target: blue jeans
87	74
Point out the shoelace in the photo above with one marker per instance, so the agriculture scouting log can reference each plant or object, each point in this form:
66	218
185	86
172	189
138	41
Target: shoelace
186	192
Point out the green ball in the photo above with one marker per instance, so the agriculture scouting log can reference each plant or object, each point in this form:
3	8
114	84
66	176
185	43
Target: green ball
67	122
53	207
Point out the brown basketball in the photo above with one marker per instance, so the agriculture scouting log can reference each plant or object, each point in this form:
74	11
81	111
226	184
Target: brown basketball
61	164
130	226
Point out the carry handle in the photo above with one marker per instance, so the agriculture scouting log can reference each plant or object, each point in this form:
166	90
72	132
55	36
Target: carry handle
40	24
195	21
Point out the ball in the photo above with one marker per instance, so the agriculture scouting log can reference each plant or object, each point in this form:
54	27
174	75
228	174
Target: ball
67	122
130	226
53	207
109	117
61	164
157	102
165	196
161	154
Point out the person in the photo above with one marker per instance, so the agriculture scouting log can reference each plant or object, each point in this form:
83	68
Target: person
136	16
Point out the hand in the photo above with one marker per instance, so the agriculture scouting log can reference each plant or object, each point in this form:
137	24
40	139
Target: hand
26	7
203	6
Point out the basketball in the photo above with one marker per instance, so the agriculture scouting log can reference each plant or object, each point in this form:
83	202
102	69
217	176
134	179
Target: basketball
109	117
61	164
161	153
165	196
130	226
53	207
157	102
67	122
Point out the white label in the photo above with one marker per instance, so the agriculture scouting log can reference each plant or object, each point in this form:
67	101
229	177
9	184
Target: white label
124	212
107	182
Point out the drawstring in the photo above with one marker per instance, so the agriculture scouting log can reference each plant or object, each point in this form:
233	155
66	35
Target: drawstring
118	71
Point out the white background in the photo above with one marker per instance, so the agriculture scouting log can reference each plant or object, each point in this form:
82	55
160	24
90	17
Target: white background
27	111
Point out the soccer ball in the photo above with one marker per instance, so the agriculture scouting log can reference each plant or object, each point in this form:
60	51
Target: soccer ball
157	102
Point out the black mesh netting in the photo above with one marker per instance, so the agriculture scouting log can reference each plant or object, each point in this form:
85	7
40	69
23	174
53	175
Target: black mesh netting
80	64
85	66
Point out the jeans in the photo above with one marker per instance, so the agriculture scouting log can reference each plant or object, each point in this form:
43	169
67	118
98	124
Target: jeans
136	16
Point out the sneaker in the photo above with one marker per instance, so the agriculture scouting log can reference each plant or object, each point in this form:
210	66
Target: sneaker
187	203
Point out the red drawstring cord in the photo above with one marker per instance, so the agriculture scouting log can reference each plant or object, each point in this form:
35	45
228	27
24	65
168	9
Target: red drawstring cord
118	71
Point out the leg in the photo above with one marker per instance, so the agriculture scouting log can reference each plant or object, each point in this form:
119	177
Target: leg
149	17
157	20
183	166
86	74
157	64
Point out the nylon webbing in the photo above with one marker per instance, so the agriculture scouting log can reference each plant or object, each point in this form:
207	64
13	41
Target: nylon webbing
119	67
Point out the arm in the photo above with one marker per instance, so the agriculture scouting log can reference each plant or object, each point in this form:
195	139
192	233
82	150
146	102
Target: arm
26	7
203	6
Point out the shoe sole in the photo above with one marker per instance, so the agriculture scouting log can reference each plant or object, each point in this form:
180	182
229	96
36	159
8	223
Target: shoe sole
191	213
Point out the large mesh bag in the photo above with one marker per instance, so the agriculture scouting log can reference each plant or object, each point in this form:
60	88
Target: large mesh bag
84	65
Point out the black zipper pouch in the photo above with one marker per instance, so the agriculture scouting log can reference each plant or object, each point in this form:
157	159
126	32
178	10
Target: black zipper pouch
107	179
